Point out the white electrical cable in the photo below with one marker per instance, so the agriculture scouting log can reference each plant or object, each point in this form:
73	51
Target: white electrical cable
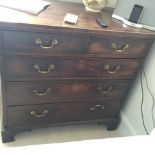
133	24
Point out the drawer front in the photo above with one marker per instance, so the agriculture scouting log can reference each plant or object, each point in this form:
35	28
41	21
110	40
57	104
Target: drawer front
46	92
61	112
120	48
31	43
28	68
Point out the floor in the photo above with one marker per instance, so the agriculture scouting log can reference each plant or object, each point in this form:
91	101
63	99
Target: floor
60	134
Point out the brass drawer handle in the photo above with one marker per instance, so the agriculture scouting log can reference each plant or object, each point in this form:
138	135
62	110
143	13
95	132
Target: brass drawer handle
42	45
34	113
37	67
118	49
106	90
42	93
97	106
112	70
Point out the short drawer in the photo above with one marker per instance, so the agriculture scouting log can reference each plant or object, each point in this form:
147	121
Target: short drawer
45	92
42	43
119	48
28	68
34	115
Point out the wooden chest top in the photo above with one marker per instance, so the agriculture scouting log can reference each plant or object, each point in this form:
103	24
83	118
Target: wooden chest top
51	18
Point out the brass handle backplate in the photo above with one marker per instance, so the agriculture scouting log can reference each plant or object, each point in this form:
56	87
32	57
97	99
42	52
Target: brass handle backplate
37	67
43	45
97	107
104	90
112	70
120	49
34	113
42	93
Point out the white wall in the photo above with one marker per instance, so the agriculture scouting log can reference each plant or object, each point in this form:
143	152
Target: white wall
132	120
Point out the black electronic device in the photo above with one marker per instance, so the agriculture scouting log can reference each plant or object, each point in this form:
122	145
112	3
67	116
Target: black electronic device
136	13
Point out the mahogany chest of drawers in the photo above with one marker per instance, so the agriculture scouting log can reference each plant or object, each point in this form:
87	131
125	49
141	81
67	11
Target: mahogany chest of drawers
55	73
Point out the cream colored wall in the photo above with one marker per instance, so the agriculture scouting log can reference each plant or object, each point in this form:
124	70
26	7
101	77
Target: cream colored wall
131	113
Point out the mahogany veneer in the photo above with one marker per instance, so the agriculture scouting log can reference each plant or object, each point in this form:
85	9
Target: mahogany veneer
55	73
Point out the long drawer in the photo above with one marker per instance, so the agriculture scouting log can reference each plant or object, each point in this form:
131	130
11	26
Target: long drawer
42	43
46	92
27	68
34	115
119	47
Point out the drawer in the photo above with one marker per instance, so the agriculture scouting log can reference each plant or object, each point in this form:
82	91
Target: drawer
28	68
34	115
45	92
119	48
41	43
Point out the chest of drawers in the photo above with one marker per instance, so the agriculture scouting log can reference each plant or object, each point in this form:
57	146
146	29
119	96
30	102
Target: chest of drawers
55	74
